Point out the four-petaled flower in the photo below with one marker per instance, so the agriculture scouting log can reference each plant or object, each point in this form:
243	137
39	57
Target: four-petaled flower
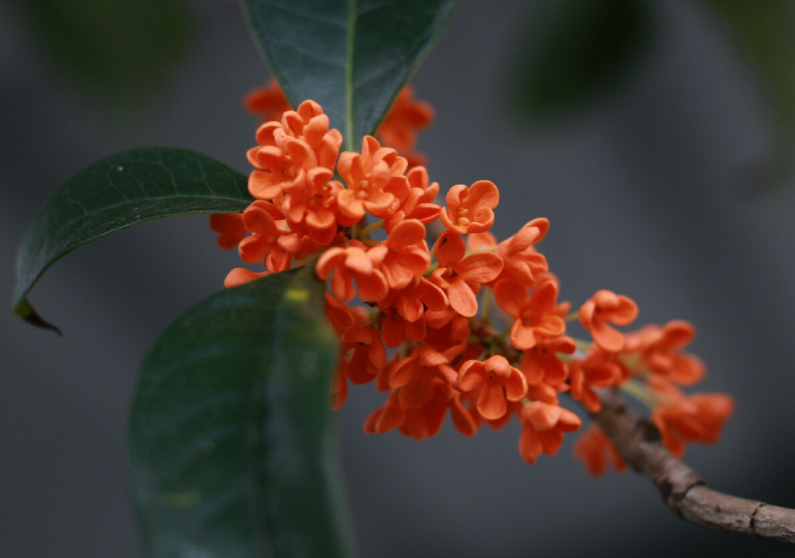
499	382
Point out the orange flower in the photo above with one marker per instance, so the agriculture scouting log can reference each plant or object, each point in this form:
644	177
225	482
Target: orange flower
241	276
594	448
368	354
342	317
606	306
470	208
600	369
312	207
540	364
543	426
229	227
376	182
339	389
406	255
299	148
522	263
696	418
461	276
363	357
267	224
267	102
354	262
419	204
405	117
499	382
425	421
535	317
451	338
386	417
414	376
403	311
659	346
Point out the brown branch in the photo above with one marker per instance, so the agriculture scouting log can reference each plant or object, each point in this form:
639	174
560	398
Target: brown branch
685	492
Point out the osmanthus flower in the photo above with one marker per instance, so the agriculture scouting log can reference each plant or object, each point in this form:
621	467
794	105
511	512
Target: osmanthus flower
354	262
414	375
522	262
264	220
535	317
545	393
403	311
363	356
267	102
343	317
595	449
230	229
406	256
300	147
470	209
686	419
607	307
407	116
540	364
461	276
386	417
311	208
425	421
241	276
452	337
376	180
543	426
599	369
498	381
658	349
419	203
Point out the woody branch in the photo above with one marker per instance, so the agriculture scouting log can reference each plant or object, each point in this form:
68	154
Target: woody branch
682	488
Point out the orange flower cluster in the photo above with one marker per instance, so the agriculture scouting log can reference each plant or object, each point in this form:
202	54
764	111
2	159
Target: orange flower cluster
398	129
425	333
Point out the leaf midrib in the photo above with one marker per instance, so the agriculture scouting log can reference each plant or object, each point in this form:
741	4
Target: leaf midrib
350	140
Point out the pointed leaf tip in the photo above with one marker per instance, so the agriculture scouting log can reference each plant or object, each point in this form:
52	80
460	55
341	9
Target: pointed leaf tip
116	193
25	311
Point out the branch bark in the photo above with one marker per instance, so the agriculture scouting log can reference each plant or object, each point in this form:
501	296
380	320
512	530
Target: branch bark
639	443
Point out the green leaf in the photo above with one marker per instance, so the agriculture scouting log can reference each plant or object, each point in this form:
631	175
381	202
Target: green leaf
351	56
117	48
232	442
765	33
578	50
117	193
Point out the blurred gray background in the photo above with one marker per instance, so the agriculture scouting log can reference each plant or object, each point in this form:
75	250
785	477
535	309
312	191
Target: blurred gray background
647	193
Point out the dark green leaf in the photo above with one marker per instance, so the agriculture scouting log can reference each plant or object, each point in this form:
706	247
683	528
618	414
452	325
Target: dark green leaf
765	33
351	56
117	193
578	50
232	442
118	48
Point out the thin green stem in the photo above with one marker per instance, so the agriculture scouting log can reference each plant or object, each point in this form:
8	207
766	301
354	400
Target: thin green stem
640	392
570	317
365	233
485	307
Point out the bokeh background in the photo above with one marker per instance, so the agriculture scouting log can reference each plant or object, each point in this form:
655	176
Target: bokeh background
666	187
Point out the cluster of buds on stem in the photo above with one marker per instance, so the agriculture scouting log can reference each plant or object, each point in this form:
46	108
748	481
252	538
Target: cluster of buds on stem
460	323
